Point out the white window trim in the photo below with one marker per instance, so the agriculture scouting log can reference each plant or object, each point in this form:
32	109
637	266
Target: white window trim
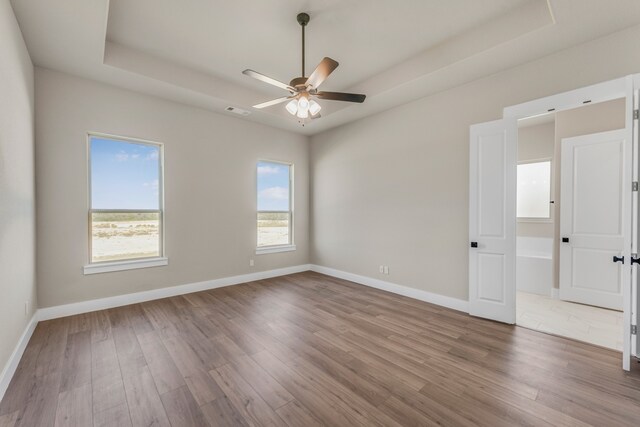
551	185
106	267
125	264
291	245
274	249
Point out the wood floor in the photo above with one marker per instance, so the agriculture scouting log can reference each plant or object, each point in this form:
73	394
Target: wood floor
308	350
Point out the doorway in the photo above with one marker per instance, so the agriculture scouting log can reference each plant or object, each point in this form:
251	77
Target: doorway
569	208
492	206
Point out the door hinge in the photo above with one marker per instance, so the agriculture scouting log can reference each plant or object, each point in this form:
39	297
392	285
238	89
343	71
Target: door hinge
636	114
634	186
634	329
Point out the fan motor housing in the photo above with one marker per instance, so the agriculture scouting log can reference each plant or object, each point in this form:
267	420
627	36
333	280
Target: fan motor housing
298	81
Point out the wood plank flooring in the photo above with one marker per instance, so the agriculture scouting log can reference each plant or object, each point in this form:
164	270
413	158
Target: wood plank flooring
310	350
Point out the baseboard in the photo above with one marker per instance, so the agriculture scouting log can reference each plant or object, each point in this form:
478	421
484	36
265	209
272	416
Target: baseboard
449	302
12	364
55	312
121	300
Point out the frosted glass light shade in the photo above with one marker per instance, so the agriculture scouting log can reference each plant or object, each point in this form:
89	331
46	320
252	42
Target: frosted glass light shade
292	106
314	107
303	103
303	114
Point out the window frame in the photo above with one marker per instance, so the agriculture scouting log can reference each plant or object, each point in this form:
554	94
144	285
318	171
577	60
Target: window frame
290	246
550	218
126	263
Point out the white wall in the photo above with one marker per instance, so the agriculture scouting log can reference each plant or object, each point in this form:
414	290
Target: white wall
393	188
210	189
17	196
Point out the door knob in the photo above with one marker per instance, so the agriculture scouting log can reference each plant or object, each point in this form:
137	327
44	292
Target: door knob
618	258
474	244
635	260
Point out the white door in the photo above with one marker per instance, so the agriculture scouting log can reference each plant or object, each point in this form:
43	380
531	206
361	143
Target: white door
492	220
595	218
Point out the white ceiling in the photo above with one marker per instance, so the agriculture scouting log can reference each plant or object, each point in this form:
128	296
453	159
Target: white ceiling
193	51
225	37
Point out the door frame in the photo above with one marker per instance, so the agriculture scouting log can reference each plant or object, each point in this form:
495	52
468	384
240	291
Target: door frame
635	203
623	87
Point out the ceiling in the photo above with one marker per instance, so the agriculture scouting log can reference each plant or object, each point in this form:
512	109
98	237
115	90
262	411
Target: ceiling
193	51
225	40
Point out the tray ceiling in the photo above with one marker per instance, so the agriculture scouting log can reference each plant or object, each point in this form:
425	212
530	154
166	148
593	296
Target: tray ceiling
193	51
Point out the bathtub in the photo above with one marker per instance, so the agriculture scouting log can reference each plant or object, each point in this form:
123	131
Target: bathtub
534	267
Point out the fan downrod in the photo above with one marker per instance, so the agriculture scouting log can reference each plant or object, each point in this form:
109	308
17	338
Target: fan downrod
303	20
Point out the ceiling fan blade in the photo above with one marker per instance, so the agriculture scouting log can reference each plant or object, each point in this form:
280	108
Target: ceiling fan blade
322	71
341	96
268	80
272	102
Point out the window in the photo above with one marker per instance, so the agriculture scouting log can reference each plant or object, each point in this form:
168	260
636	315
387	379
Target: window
534	190
125	214
275	207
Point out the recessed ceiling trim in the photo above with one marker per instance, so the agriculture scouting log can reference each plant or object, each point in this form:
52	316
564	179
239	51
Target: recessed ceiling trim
69	36
521	20
510	26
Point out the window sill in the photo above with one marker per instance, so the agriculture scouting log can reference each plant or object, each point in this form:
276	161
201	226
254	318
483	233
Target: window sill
106	267
536	220
275	249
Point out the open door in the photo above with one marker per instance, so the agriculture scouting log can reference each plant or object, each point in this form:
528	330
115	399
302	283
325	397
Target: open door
595	219
492	220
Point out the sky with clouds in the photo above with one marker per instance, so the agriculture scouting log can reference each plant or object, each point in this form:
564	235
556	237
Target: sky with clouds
124	175
273	186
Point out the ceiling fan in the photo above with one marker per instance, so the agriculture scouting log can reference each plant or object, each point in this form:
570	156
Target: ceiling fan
303	90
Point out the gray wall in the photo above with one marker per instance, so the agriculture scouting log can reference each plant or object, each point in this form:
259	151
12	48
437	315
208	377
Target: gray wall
17	195
210	189
393	188
534	143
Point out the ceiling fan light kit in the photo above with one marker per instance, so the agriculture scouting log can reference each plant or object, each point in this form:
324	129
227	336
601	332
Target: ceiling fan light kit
303	90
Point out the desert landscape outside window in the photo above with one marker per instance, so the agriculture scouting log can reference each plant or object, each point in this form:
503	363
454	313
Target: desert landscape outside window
125	214
274	204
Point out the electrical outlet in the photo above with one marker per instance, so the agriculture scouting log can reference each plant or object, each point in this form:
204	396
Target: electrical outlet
381	269
386	269
251	263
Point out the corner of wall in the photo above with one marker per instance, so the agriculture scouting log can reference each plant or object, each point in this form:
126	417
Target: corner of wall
17	192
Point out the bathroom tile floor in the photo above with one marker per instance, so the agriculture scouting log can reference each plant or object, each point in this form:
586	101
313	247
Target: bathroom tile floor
586	323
